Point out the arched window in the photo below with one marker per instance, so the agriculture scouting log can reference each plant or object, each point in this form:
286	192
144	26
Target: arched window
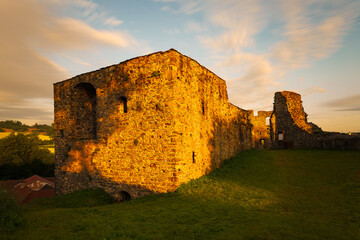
84	111
123	105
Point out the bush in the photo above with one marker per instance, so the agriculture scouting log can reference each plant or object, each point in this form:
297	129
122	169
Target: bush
22	157
14	125
11	217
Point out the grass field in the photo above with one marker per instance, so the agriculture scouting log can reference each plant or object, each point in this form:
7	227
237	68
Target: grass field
51	148
5	134
258	195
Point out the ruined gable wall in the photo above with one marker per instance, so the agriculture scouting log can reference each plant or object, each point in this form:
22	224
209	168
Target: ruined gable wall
133	151
178	126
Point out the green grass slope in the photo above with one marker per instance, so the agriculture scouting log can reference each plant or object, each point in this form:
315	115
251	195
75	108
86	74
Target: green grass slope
256	195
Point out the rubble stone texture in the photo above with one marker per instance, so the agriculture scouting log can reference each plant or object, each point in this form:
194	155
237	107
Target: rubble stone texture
261	125
151	123
290	121
146	125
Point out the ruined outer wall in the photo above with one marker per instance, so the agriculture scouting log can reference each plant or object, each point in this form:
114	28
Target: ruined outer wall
178	125
291	120
212	129
261	129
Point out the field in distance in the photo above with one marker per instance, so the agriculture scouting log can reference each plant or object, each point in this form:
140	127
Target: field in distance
41	137
282	194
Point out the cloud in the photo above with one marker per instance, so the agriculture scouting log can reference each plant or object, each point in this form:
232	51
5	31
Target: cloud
113	21
351	103
227	41
309	30
31	30
313	90
194	27
68	33
173	31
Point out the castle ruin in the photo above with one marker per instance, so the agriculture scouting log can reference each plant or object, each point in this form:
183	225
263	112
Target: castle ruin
151	123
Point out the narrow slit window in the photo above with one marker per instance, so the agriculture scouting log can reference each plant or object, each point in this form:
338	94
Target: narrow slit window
203	107
123	104
193	157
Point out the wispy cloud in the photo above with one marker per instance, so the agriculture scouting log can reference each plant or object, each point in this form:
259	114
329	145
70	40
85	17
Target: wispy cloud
312	31
113	21
30	29
351	103
313	90
309	30
195	27
75	34
173	31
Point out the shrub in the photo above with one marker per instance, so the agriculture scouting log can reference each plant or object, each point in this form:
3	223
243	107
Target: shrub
11	217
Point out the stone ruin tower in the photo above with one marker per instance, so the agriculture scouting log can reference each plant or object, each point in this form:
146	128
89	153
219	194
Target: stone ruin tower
291	129
143	126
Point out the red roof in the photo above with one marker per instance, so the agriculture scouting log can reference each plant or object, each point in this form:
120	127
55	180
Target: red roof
25	190
38	178
9	184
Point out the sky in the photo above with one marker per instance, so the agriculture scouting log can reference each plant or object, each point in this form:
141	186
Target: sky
258	47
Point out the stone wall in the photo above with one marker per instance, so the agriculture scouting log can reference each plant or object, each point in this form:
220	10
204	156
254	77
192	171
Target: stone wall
261	129
292	130
144	126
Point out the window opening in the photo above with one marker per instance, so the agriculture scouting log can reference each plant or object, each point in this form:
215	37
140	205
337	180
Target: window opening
267	121
193	157
84	109
123	106
281	136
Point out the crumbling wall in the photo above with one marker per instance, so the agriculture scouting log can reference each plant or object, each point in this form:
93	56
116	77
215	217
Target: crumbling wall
292	130
144	126
261	125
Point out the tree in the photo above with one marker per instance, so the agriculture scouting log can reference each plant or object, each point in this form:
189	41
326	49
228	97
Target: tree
14	125
21	157
17	149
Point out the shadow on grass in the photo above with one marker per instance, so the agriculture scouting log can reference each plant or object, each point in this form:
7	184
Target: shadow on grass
256	195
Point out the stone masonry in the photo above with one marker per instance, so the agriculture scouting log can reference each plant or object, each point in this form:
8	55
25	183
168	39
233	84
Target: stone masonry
143	126
151	123
290	128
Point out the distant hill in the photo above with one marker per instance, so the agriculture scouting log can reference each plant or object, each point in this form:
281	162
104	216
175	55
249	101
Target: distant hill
17	126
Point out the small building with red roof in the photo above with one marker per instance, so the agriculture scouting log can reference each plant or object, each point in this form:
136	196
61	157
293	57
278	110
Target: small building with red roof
25	190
